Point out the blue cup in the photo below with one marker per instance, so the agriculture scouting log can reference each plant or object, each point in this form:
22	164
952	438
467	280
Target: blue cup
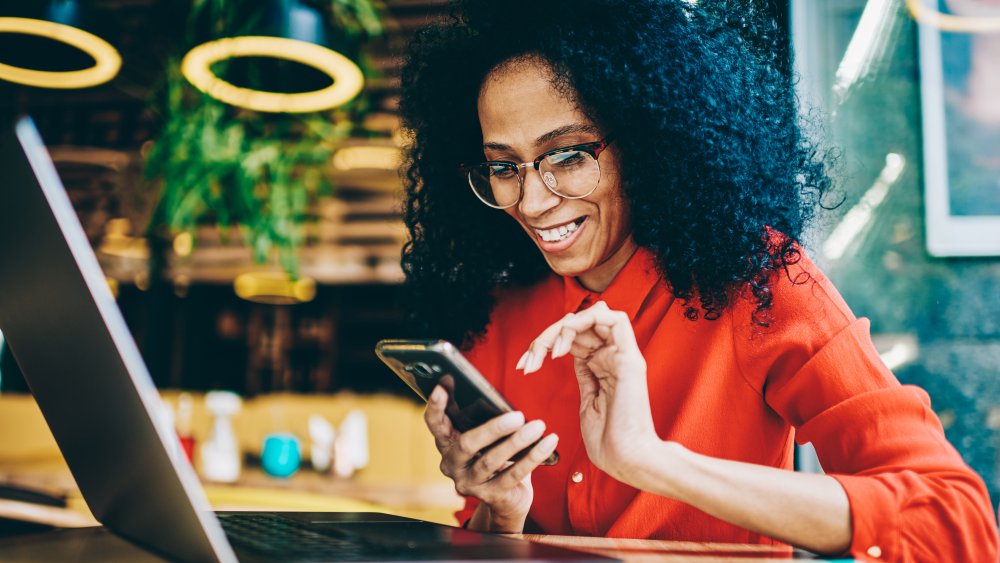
281	455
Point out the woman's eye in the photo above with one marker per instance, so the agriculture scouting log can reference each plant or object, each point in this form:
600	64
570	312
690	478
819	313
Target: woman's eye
566	159
502	172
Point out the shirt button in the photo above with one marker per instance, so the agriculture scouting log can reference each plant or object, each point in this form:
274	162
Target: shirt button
875	551
577	477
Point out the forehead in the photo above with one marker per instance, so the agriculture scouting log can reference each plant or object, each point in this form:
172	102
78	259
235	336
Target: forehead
519	102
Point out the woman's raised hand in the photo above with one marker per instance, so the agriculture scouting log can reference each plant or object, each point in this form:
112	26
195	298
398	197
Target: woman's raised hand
615	417
504	487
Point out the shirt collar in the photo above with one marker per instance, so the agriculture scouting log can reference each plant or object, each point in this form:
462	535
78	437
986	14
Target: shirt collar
627	291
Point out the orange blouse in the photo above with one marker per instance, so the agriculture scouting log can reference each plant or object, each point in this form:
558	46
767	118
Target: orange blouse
735	390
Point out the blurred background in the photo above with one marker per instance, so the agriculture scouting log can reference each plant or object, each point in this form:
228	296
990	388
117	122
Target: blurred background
244	197
181	193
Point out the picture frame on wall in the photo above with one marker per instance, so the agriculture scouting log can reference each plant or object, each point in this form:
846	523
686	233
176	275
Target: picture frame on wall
960	92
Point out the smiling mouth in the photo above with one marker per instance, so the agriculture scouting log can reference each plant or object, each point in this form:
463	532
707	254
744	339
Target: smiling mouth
560	232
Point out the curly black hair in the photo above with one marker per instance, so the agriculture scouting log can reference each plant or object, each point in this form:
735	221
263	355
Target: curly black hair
719	176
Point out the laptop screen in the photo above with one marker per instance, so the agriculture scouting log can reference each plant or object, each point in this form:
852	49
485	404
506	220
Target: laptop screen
83	367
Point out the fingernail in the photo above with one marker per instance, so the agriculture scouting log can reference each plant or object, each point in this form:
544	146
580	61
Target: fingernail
534	362
567	345
521	362
511	420
436	394
549	442
533	430
556	346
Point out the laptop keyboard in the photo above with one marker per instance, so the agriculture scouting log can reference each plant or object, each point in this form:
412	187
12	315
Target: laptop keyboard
285	538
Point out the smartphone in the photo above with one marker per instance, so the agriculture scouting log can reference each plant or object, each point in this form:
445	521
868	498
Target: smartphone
424	364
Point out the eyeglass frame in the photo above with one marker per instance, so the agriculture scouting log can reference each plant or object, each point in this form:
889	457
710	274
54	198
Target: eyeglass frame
593	148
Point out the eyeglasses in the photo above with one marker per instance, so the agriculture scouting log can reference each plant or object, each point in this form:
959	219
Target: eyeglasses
570	172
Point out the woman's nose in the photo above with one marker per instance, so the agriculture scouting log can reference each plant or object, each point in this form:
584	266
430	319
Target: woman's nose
536	198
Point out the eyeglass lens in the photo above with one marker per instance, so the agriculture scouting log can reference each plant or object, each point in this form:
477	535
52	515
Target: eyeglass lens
570	174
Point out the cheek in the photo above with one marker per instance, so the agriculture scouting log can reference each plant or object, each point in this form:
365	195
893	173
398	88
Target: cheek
616	218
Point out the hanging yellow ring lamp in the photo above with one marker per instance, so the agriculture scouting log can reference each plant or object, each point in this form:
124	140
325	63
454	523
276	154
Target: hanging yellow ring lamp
107	61
950	22
347	77
285	30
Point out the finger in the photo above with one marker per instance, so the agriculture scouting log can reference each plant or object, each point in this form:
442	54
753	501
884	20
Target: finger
469	444
497	458
599	315
563	342
572	329
548	338
523	360
436	419
597	318
516	473
623	334
604	332
585	344
583	321
542	344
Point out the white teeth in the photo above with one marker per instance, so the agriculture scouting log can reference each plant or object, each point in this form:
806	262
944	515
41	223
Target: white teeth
558	233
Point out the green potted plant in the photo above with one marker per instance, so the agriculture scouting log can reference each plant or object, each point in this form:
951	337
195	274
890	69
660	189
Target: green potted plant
254	171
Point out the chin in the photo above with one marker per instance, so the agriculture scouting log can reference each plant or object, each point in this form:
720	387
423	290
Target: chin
566	268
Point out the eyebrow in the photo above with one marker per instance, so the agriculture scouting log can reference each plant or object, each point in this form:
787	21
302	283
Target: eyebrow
553	134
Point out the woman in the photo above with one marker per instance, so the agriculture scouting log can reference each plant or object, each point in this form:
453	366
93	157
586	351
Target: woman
626	270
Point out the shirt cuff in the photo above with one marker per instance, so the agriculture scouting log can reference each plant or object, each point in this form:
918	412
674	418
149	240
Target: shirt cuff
464	515
874	519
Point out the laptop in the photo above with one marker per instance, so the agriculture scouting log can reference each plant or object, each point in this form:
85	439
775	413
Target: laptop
78	357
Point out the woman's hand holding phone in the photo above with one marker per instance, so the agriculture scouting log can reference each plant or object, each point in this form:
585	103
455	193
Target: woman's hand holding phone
478	461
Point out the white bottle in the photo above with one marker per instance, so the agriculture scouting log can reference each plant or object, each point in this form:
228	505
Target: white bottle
220	455
351	444
321	437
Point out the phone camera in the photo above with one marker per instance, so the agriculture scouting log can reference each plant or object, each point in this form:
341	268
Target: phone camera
420	369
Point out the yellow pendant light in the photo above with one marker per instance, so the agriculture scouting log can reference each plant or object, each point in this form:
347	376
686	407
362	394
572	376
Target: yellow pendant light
59	21
950	22
274	288
295	33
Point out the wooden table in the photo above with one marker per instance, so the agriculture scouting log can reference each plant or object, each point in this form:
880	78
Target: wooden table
432	501
305	491
101	545
643	551
308	491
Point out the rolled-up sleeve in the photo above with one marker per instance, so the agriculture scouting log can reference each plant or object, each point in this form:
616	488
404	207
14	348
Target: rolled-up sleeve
912	496
465	514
